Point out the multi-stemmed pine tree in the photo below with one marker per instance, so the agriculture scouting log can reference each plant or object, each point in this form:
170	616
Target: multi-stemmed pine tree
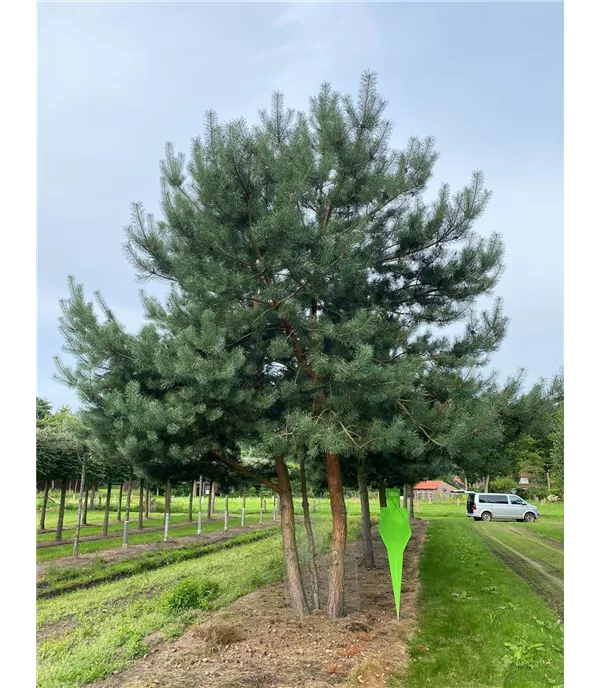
309	241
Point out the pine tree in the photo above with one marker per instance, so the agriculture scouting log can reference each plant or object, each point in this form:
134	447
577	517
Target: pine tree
310	241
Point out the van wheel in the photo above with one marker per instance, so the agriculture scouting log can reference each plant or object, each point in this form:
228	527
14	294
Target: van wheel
486	516
530	517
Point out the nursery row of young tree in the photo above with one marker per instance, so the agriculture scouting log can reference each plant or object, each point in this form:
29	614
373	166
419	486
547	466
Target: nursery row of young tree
312	283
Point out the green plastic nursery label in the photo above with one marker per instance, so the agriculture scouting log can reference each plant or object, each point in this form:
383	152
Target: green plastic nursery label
394	528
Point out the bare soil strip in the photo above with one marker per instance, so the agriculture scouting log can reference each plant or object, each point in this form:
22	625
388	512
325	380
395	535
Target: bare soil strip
256	642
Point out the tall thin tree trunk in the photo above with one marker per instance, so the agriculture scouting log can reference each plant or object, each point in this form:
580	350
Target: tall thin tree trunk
44	505
120	502
487	483
141	510
107	509
128	510
466	483
93	499
85	505
147	501
209	511
411	512
288	539
200	484
382	494
79	514
365	514
244	508
405	496
191	504
61	510
335	600
167	509
310	538
548	480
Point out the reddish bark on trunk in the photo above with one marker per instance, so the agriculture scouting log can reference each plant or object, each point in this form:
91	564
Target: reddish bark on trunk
335	600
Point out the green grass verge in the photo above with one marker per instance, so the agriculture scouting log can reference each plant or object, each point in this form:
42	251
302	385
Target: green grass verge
522	539
554	531
64	579
88	634
480	625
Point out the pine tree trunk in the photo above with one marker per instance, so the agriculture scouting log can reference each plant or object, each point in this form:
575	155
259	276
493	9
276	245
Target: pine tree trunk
209	506
107	509
405	496
244	508
167	509
79	514
365	515
148	501
141	509
200	485
191	504
466	483
85	505
120	502
548	480
335	601
288	539
487	483
411	512
310	538
44	505
61	510
128	510
382	494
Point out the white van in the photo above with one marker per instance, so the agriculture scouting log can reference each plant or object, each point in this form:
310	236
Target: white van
500	507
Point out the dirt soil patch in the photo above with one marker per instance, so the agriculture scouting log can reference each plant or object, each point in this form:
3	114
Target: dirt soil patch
257	643
133	551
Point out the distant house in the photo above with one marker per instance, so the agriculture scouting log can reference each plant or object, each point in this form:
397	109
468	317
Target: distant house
458	482
432	489
526	479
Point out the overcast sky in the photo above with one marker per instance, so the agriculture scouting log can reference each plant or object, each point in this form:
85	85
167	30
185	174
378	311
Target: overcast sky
116	81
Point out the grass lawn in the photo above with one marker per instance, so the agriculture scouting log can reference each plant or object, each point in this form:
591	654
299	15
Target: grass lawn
86	635
480	625
554	531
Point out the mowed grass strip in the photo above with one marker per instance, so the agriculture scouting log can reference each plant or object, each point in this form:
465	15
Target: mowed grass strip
480	625
525	540
64	579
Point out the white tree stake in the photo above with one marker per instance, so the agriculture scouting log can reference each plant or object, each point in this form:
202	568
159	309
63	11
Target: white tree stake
167	517
226	516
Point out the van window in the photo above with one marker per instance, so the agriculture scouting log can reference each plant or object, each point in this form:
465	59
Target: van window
516	500
493	499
